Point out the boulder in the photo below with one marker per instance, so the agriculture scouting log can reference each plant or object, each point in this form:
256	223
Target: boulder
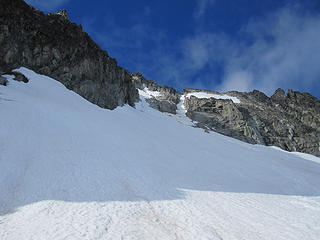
3	81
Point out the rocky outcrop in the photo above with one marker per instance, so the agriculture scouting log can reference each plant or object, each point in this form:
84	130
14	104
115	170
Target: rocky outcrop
3	81
222	116
291	122
53	46
167	100
18	77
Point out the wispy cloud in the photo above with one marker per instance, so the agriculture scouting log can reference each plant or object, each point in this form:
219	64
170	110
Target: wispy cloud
284	53
147	11
201	7
193	60
278	50
47	5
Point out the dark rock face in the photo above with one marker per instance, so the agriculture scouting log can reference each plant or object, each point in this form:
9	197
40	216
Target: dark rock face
291	122
19	77
168	99
53	46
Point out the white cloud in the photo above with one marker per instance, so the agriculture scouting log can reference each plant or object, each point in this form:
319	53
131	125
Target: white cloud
47	5
284	53
241	81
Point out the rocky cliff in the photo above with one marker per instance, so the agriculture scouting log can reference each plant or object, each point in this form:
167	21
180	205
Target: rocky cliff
291	122
54	46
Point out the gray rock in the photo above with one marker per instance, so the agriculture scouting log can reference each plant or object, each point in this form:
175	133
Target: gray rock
291	122
20	77
3	81
162	105
52	45
278	96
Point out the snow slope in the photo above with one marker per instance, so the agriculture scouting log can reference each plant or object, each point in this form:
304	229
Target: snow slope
71	170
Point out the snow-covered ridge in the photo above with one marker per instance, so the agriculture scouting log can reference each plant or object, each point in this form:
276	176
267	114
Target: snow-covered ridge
211	95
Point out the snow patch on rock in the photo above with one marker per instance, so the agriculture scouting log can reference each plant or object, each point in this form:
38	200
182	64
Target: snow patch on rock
211	95
146	93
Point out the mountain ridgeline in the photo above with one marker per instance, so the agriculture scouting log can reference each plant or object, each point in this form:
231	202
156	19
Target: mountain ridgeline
52	45
290	121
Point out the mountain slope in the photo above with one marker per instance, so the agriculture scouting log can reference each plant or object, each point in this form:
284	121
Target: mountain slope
289	121
52	45
72	170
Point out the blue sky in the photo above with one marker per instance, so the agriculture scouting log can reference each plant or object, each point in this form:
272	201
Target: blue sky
213	44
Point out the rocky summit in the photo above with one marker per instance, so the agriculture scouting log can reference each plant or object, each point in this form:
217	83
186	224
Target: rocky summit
52	45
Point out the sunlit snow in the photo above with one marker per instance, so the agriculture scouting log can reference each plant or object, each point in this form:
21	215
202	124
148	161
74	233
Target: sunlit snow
72	170
211	95
146	93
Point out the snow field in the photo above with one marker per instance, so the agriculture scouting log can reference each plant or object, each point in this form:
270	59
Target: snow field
71	170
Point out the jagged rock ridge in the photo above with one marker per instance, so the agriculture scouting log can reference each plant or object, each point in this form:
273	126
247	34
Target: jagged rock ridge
291	122
52	45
